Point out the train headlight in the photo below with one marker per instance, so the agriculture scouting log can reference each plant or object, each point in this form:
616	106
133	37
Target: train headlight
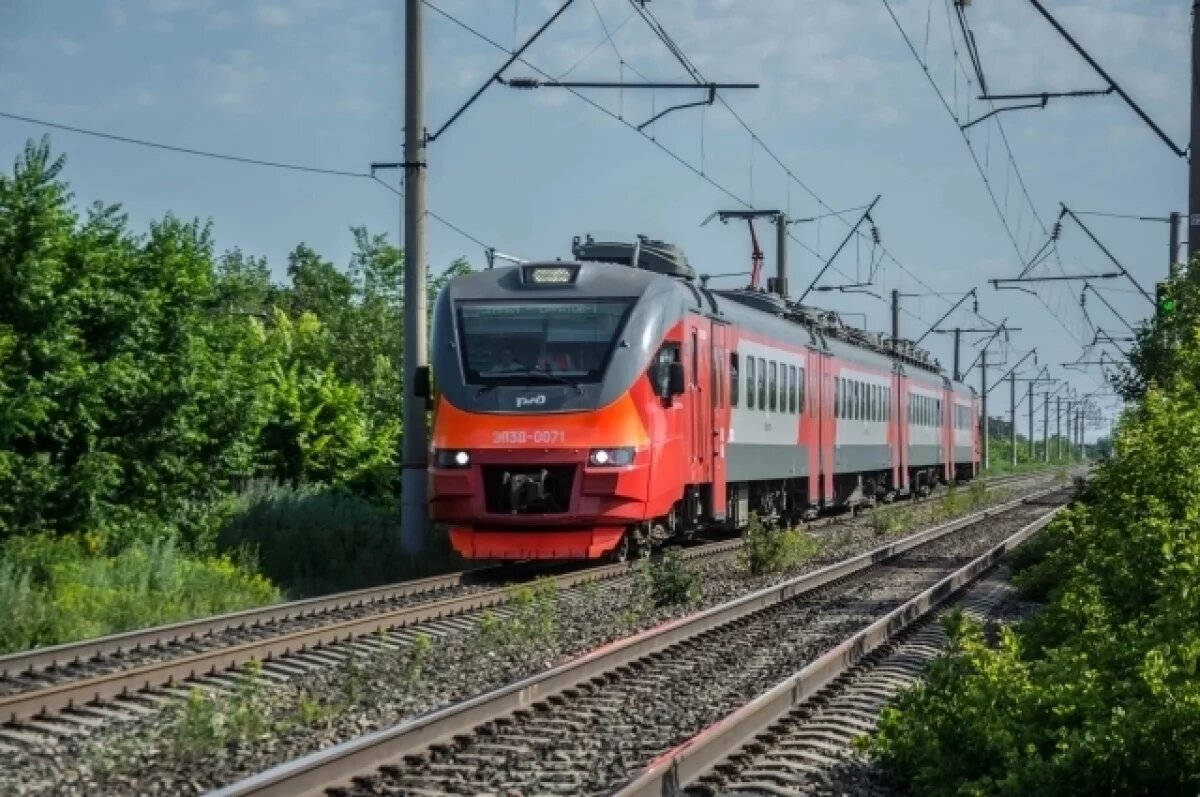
610	457
449	458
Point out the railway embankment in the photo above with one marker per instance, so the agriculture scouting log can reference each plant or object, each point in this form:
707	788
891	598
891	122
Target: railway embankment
194	737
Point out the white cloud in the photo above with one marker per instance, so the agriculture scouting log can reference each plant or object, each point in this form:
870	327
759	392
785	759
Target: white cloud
274	16
234	83
68	47
117	14
166	7
222	20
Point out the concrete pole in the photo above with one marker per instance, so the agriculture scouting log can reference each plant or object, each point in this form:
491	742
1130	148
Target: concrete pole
1194	169
957	344
1046	427
414	523
1174	243
1082	449
983	390
895	320
1058	430
1012	416
781	231
1031	445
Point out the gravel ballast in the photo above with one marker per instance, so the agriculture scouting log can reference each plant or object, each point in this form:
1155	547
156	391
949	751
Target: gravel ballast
173	753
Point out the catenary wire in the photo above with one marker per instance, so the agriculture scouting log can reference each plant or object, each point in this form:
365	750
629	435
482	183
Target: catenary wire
234	159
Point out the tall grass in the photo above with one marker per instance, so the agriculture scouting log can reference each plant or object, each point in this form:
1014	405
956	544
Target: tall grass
60	589
314	541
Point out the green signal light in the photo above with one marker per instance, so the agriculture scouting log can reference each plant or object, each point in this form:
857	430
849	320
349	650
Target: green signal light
1167	305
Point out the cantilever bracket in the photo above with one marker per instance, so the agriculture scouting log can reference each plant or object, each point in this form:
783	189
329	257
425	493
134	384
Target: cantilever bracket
1044	98
712	96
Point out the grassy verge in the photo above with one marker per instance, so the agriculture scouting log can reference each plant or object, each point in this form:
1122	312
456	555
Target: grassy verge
270	543
60	589
313	541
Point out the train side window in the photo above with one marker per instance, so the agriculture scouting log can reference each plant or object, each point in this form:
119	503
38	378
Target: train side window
878	403
762	383
772	386
750	382
837	397
800	390
734	376
858	401
792	389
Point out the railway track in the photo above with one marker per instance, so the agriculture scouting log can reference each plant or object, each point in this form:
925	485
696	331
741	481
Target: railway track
797	738
51	690
587	726
42	689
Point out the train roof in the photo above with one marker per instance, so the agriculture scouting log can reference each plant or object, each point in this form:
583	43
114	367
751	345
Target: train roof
647	267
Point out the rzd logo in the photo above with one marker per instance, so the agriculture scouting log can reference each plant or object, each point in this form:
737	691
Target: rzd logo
531	401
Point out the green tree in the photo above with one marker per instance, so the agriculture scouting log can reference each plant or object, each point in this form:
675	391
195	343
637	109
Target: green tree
1161	347
1098	692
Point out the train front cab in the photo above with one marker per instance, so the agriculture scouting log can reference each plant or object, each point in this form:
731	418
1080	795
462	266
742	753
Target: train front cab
561	413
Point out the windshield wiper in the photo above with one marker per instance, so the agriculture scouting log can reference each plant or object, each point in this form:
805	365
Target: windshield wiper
562	380
546	375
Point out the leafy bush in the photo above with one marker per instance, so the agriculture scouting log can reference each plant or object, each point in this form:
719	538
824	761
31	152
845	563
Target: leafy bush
313	541
1097	693
887	519
60	589
669	583
766	549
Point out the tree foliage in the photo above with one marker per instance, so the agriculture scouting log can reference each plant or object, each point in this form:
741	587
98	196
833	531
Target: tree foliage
1098	693
144	378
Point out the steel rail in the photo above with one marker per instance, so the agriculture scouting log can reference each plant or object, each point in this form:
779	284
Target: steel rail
121	683
336	765
74	652
73	693
687	763
70	653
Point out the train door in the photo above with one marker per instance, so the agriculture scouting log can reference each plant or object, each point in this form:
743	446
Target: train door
810	423
946	432
900	419
719	416
698	368
828	425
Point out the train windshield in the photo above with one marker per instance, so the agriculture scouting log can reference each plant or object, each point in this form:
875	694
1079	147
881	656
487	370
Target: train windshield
533	342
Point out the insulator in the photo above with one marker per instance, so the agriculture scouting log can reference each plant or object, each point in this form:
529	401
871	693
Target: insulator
523	83
976	303
1057	231
875	234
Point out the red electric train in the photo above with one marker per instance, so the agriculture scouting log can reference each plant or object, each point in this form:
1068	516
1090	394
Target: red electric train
584	408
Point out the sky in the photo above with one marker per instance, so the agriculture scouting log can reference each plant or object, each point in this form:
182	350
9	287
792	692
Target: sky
844	111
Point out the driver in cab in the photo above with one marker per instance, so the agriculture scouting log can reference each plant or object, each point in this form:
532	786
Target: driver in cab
507	363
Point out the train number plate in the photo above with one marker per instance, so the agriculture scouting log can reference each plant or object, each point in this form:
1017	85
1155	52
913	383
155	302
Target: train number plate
539	437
